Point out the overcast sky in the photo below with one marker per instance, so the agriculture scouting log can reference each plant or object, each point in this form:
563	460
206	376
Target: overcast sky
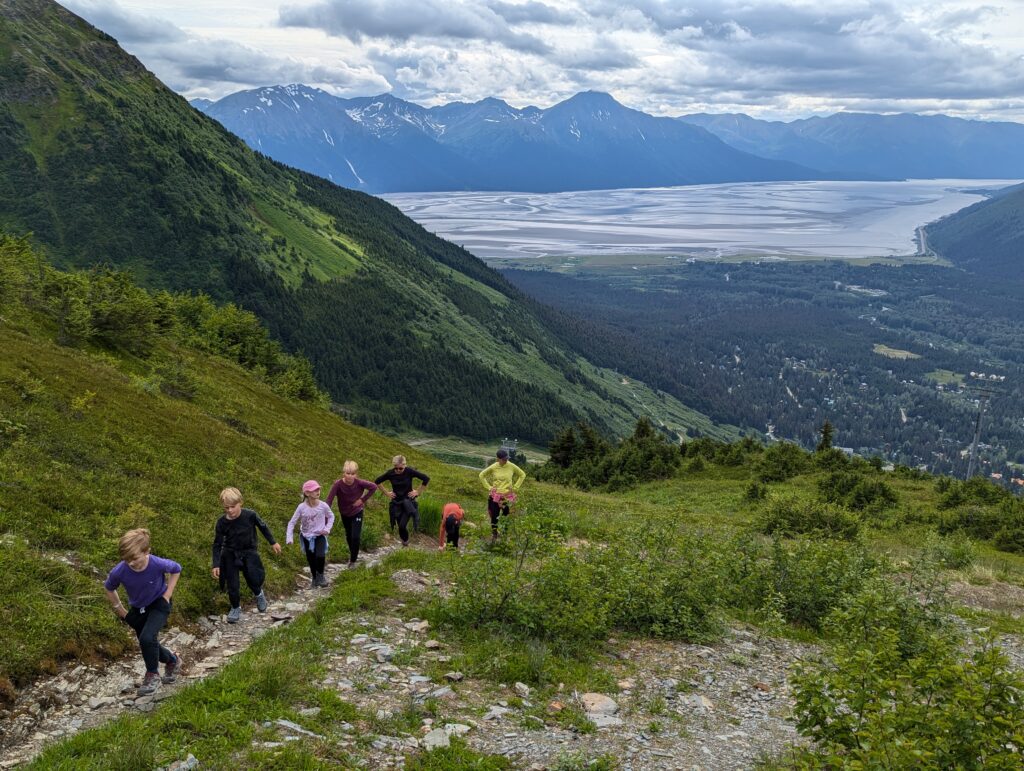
779	59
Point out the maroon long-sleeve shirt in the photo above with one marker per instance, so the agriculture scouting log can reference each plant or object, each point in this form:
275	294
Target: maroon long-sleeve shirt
351	498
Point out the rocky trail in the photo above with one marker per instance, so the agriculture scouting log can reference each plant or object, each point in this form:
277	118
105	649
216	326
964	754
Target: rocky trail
85	696
673	705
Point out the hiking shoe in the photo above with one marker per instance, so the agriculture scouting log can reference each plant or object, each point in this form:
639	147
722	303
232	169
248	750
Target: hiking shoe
171	669
352	564
149	683
261	602
324	581
234	615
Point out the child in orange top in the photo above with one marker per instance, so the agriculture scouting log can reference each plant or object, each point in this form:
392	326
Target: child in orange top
451	521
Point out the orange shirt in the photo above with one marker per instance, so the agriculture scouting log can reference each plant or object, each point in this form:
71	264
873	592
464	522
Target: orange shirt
448	510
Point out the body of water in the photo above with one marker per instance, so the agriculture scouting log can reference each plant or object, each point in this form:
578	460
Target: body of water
770	219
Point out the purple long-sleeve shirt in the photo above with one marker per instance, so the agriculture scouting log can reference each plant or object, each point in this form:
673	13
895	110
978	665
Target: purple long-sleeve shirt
350	497
313	520
143	586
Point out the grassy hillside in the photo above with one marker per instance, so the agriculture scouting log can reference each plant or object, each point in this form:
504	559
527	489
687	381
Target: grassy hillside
104	165
109	429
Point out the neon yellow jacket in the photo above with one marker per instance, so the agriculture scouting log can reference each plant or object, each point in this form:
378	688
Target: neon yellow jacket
502	478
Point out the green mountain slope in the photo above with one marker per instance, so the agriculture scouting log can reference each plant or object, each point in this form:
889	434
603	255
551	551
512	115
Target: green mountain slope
103	164
986	238
141	424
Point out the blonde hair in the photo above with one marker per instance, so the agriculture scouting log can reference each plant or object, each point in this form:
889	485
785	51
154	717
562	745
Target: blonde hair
230	496
398	460
350	465
133	544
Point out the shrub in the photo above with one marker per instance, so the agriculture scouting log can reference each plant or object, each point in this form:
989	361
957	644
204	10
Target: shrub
782	461
879	702
974	490
662	585
1003	524
855	491
955	552
803	580
175	379
792	516
979	521
755	491
1010	538
534	587
831	459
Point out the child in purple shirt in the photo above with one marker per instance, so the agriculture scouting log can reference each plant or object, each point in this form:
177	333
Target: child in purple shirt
352	494
315	520
149	582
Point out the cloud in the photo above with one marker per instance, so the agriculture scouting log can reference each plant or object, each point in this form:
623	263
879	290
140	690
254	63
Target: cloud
404	20
783	57
533	13
123	25
845	50
196	65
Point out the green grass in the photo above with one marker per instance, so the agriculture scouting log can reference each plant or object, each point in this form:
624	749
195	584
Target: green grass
319	254
946	377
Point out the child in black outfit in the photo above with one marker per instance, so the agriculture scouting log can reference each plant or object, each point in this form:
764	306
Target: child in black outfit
234	551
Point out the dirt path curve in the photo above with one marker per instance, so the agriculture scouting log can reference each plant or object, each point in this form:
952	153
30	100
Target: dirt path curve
85	696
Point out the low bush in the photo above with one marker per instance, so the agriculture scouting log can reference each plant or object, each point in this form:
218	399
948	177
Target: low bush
788	516
535	586
856	491
955	551
1002	524
782	461
899	692
803	580
976	490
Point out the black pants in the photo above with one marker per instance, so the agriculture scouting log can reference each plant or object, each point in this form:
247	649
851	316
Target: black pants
249	565
495	510
317	555
147	623
402	511
353	534
451	530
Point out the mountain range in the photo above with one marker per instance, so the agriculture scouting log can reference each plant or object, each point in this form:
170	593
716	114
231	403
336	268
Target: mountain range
105	165
385	144
866	145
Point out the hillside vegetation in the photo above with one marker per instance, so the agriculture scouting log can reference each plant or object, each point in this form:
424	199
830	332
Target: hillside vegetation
102	164
110	430
986	238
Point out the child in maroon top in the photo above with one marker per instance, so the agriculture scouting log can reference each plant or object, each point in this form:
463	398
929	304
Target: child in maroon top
352	494
149	582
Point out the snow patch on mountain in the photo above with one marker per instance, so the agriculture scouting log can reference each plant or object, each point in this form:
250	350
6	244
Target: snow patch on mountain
354	172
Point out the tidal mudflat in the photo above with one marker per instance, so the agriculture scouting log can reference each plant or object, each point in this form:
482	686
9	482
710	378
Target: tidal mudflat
780	220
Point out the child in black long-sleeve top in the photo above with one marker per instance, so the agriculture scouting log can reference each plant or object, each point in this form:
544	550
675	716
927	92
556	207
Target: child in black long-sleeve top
234	551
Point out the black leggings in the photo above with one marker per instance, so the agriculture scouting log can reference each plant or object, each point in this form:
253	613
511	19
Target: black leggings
495	510
353	534
251	568
317	556
403	514
451	530
147	623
